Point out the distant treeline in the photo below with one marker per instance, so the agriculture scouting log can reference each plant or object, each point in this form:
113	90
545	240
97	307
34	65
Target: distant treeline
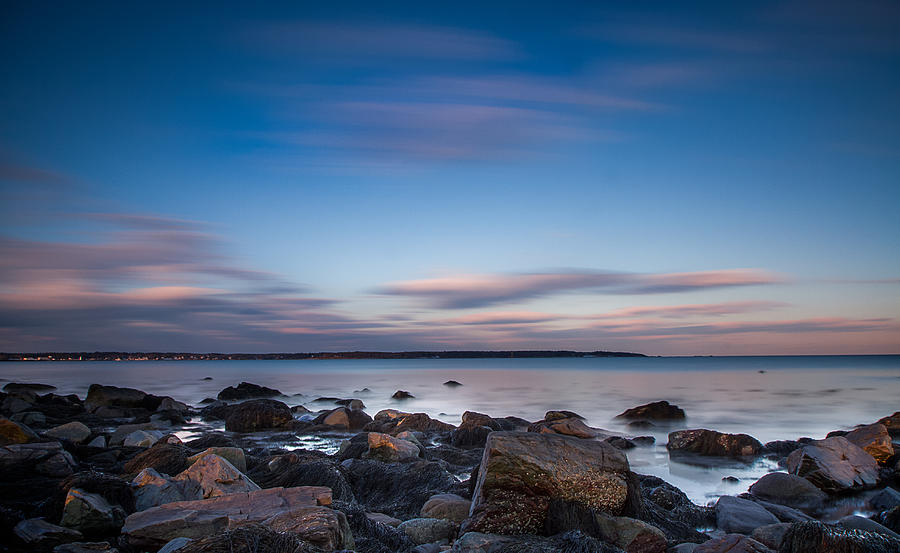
175	356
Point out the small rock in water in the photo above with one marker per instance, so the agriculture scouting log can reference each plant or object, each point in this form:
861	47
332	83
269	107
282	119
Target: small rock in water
730	479
401	394
658	410
207	378
247	390
452	383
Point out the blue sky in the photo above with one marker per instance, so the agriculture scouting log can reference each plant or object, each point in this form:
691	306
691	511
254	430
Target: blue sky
672	179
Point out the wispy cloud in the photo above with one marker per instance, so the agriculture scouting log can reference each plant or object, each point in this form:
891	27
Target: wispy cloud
466	291
325	39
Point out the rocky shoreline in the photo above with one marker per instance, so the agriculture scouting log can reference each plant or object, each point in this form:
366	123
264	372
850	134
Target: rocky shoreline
109	473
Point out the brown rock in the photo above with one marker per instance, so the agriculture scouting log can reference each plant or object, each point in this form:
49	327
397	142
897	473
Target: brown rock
447	506
15	433
712	443
834	465
658	410
522	472
875	440
258	414
732	543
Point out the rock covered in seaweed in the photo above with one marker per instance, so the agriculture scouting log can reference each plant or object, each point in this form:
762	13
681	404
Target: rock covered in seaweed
712	443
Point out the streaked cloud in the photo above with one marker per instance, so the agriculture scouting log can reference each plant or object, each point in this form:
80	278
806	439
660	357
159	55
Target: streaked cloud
466	291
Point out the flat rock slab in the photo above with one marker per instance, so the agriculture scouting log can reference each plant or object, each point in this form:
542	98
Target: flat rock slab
522	472
194	519
736	515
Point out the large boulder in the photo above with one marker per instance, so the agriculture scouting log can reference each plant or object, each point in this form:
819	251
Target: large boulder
834	465
474	430
397	489
212	476
91	514
48	458
815	537
658	410
391	421
15	433
344	418
322	527
712	443
247	390
875	440
448	506
75	432
523	472
740	516
233	455
789	489
389	449
152	489
258	414
200	518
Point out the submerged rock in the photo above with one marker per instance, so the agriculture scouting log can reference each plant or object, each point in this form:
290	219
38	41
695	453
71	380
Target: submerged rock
834	465
522	472
402	394
658	410
712	443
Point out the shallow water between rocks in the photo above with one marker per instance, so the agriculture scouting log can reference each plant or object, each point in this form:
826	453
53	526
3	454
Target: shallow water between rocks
770	398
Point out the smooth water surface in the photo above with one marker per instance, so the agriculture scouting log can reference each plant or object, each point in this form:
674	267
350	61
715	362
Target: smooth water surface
770	398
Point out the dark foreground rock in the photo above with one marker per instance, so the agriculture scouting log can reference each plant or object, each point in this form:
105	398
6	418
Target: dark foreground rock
834	465
815	537
253	538
712	443
567	542
399	490
258	414
523	472
789	489
732	543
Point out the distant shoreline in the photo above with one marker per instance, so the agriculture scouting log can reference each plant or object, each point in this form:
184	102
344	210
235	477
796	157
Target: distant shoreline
184	356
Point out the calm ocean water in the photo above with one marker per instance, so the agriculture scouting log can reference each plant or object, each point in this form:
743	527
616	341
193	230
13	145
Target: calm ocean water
770	398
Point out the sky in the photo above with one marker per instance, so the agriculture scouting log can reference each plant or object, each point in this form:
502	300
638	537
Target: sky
666	178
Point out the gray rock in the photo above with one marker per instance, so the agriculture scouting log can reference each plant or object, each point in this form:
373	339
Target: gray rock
99	441
37	532
684	548
429	530
29	418
174	545
142	438
834	465
771	534
382	518
447	506
732	543
885	499
48	458
86	547
736	515
789	489
90	513
152	489
120	433
855	522
74	432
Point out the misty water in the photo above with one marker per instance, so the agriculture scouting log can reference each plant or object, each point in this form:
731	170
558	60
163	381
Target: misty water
770	398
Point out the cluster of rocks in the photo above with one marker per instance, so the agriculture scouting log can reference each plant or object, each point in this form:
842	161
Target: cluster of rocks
108	474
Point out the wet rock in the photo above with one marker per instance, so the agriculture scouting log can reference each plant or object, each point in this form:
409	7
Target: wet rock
13	404
771	534
670	510
142	438
522	472
712	443
815	537
658	410
855	522
29	418
889	519
169	404
736	515
98	442
174	545
781	448
252	538
91	514
391	421
885	499
233	455
732	543
474	430
559	415
629	534
781	512
292	471
874	440
122	400
247	390
196	519
322	527
13	387
429	530
892	423
15	433
152	489
344	418
211	439
49	459
86	547
258	414
213	476
569	426
619	442
789	489
382	518
834	465
448	506
74	432
401	394
452	383
122	431
38	533
388	449
397	489
163	457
